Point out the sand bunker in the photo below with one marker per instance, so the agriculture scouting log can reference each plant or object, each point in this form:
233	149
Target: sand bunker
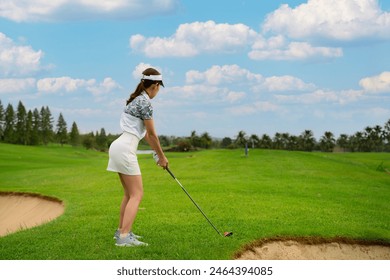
22	210
314	249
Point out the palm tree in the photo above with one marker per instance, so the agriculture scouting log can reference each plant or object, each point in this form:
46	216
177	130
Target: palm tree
277	141
342	141
241	139
357	142
254	139
265	142
368	143
327	142
285	140
377	136
293	142
386	132
307	141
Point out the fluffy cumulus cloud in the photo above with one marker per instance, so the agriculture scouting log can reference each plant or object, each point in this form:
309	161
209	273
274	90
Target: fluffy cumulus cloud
137	73
234	86
191	39
53	10
197	38
68	84
288	33
333	19
285	83
62	84
234	74
108	85
16	85
18	60
279	48
376	84
222	74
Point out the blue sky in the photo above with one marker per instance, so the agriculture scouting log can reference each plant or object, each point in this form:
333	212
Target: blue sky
258	66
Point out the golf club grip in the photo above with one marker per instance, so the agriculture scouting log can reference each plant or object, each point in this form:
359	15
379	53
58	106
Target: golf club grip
169	171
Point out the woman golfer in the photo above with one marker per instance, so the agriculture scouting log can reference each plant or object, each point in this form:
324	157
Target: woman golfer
136	123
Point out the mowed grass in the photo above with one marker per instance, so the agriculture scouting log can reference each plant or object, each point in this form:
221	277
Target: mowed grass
268	194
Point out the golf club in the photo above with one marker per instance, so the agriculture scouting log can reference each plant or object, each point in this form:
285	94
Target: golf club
225	234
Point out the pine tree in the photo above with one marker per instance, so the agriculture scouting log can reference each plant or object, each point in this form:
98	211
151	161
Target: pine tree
74	135
101	140
9	124
36	124
29	125
21	119
61	132
46	125
2	122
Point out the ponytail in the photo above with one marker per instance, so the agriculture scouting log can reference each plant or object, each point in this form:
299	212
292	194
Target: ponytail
144	84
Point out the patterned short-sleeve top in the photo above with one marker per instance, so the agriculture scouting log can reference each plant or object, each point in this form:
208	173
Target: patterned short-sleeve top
134	114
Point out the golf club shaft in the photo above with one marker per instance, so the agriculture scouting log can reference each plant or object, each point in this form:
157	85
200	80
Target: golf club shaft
193	201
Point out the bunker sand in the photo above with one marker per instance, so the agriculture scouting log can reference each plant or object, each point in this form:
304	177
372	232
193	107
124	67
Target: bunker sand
19	211
314	249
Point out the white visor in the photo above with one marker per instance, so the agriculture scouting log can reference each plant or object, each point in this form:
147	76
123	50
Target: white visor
157	78
152	77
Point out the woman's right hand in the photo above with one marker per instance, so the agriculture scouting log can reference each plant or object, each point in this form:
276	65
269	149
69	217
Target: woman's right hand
163	162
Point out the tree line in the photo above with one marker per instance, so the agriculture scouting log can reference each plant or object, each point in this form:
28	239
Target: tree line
37	127
371	139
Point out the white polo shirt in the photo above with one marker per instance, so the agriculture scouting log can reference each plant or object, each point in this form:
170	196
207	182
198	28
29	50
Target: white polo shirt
134	114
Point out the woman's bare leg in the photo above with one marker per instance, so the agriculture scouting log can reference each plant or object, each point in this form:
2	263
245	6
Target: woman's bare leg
133	193
125	200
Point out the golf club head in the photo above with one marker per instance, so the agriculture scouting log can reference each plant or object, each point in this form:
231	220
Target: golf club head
227	233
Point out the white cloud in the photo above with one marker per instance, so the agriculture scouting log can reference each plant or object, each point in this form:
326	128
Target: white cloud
233	96
321	96
108	85
378	112
16	60
54	10
222	74
16	85
190	39
202	93
338	20
85	112
137	73
278	49
68	84
195	38
285	83
260	106
234	74
376	84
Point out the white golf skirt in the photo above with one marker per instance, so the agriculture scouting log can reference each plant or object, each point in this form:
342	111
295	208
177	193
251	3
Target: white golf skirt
123	155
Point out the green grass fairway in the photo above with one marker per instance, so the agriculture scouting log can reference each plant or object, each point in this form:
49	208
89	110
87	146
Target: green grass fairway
270	193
